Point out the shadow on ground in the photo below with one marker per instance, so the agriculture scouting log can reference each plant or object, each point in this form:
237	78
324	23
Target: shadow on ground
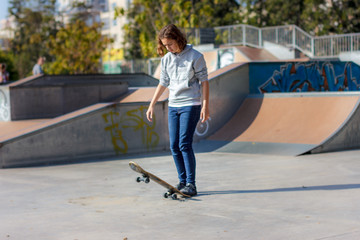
294	189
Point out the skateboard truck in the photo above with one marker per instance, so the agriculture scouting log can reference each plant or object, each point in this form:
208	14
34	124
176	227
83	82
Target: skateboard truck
171	194
144	179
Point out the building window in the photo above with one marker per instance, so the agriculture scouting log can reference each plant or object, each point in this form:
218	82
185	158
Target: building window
97	18
103	4
106	23
128	4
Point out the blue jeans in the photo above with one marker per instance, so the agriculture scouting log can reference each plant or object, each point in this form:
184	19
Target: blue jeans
182	125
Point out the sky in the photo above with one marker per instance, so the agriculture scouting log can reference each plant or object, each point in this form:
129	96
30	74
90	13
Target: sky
4	8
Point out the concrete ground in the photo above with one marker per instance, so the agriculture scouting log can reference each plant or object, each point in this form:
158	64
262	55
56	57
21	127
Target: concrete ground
240	197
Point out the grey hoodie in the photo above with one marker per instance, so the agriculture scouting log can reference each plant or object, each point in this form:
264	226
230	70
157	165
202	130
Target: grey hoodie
183	73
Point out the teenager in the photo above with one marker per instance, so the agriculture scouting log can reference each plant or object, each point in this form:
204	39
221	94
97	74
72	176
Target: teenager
184	73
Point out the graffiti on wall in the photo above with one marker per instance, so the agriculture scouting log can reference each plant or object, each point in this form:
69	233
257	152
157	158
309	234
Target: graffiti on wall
121	126
303	77
4	107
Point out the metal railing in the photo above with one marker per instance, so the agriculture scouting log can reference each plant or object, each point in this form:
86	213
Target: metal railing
147	66
290	36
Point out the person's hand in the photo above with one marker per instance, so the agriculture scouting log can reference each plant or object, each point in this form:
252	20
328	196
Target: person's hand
149	114
158	92
204	114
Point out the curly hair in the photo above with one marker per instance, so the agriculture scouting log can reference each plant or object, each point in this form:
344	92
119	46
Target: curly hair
172	32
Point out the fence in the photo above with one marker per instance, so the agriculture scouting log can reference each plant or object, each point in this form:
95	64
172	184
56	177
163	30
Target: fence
290	36
147	66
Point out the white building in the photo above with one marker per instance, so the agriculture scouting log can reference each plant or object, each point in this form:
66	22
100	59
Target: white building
6	32
104	11
113	27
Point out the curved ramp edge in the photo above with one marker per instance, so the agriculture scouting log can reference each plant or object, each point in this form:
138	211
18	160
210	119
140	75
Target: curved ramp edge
287	124
347	136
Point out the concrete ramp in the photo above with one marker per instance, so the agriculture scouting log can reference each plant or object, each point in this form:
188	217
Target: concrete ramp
291	124
256	54
274	123
100	130
113	129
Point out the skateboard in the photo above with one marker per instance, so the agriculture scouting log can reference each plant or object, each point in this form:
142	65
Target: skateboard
172	192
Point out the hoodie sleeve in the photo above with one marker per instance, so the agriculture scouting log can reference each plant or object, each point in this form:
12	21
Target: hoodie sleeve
200	69
164	77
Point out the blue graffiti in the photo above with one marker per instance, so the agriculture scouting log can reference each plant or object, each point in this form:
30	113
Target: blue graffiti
304	77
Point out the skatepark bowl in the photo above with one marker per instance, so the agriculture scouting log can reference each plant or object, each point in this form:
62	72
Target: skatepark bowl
279	158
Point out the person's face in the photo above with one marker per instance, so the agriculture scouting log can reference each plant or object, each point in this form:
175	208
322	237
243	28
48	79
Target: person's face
171	45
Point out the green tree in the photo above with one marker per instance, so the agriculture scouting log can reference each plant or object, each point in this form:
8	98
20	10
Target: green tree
254	12
282	12
351	17
319	17
326	17
35	23
147	17
78	48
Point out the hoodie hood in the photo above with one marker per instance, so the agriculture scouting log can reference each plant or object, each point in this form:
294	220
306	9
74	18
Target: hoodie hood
187	48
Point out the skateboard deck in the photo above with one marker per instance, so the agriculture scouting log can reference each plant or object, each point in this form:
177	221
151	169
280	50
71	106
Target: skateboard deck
172	192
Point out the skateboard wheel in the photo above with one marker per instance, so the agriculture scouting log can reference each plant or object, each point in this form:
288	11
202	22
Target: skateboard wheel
174	196
166	195
147	180
138	179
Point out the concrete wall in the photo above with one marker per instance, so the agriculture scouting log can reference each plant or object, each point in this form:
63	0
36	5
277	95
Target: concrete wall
133	80
4	104
29	102
228	88
102	130
281	52
48	96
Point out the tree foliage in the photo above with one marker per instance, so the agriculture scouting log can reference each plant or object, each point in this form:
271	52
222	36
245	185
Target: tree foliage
318	17
78	48
35	23
147	17
334	16
253	12
69	49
